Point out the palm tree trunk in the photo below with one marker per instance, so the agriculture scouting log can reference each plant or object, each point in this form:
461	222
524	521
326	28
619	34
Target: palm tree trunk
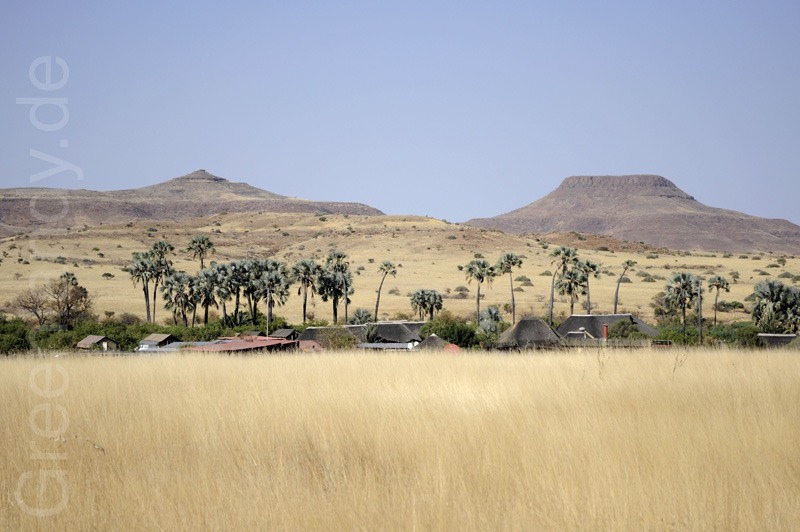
146	300
716	298
378	299
588	297
346	300
683	326
335	310
305	301
236	309
205	314
513	304
224	314
269	308
478	303
155	294
552	296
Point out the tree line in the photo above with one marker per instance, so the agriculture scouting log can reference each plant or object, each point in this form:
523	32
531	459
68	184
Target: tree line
240	287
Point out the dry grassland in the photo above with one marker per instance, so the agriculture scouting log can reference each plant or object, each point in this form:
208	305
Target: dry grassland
644	440
429	251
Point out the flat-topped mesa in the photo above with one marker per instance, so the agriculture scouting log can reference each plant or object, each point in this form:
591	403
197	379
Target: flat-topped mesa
643	184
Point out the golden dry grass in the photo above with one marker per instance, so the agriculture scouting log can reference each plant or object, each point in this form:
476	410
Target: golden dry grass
560	441
428	249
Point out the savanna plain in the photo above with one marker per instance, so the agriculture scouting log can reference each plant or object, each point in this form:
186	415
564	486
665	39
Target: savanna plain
582	439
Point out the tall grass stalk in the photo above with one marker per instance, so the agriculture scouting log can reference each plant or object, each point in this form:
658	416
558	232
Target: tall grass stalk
455	442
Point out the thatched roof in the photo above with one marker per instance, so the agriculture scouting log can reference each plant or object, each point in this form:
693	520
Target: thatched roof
528	333
395	333
319	334
432	343
593	324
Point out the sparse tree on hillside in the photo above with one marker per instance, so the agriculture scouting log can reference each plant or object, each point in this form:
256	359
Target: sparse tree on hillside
718	283
200	247
506	265
305	273
480	271
33	301
68	299
386	268
627	265
563	259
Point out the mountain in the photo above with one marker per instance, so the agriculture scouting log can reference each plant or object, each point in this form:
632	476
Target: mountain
196	194
646	208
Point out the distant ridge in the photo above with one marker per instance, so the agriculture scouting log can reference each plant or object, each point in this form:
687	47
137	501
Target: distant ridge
199	193
646	208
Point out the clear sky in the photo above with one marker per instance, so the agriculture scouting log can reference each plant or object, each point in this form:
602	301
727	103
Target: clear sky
452	109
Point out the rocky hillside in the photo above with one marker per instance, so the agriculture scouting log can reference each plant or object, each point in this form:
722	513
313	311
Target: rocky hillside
197	194
646	208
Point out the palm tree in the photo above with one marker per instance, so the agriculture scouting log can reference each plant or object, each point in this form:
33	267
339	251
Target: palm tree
361	316
200	247
682	290
177	295
479	270
588	269
572	283
386	268
563	259
425	301
776	307
204	286
274	285
141	271
222	287
506	264
237	280
627	265
718	283
337	282
306	272
162	266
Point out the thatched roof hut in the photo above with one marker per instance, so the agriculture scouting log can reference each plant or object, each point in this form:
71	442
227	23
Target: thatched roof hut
528	333
592	324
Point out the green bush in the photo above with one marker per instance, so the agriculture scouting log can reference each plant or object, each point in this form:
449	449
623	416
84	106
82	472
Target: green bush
13	335
451	329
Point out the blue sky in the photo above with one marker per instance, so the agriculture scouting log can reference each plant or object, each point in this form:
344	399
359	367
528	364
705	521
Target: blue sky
448	109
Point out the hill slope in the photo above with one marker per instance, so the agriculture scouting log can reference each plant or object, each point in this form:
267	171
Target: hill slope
197	194
646	208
